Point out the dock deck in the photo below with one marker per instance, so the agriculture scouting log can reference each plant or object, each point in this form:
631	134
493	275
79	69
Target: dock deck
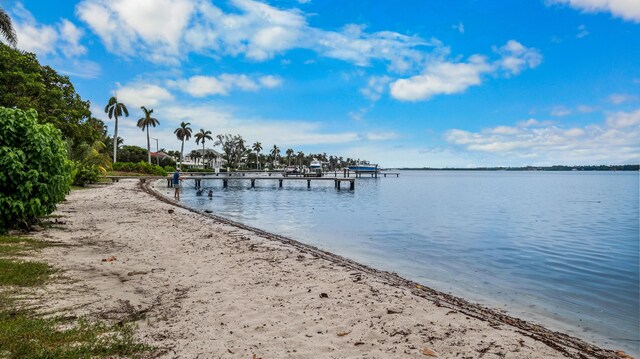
226	177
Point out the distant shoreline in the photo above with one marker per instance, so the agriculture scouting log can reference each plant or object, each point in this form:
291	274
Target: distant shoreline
529	168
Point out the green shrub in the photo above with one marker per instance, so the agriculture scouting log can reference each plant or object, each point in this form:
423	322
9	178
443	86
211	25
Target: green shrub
35	172
140	167
86	173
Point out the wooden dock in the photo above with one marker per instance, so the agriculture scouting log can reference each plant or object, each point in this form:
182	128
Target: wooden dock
226	177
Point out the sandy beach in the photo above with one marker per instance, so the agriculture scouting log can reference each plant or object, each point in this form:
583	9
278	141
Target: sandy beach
204	287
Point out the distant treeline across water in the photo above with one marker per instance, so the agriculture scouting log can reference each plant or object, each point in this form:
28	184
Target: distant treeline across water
535	168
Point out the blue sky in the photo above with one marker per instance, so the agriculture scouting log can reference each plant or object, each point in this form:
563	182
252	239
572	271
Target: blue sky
402	83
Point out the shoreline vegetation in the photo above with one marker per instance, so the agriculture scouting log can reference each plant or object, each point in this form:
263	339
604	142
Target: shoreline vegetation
193	284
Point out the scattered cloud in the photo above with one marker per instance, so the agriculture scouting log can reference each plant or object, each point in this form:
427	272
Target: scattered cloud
515	57
141	94
443	77
381	136
258	31
267	131
582	32
459	27
586	108
620	120
619	98
560	111
614	141
201	86
376	86
150	27
58	44
626	9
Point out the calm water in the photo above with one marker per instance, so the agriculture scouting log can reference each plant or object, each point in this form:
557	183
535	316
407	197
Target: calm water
557	248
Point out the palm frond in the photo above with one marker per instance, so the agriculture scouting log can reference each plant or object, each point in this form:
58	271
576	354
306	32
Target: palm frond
6	28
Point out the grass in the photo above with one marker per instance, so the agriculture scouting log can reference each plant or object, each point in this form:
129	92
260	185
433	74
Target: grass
19	246
24	273
26	334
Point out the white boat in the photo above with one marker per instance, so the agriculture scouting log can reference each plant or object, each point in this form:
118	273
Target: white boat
364	167
315	165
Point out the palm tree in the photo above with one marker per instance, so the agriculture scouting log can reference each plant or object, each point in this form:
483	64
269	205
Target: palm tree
115	109
183	133
201	137
6	28
144	123
300	158
290	153
257	147
194	155
275	152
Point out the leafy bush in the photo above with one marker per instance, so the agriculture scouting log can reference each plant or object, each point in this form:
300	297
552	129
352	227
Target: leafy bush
133	154
86	173
90	161
35	172
140	167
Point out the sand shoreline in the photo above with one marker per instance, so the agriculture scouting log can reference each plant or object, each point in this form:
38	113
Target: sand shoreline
210	287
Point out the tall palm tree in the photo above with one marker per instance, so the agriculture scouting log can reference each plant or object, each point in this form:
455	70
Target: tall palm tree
6	28
275	152
290	153
194	155
115	109
257	147
201	137
144	123
300	158
183	133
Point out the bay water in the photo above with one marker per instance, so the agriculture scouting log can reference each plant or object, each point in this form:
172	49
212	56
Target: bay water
557	248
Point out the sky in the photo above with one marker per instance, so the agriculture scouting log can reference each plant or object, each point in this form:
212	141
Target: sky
403	83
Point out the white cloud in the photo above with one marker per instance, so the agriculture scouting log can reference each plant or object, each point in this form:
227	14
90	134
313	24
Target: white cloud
39	39
459	27
516	57
201	86
560	111
443	77
214	118
376	86
153	28
140	94
271	81
173	29
381	136
617	140
585	108
619	98
621	119
58	45
626	9
582	32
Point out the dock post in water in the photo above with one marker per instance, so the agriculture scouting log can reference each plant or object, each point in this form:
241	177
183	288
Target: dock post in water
352	185
225	183
253	183
280	183
308	183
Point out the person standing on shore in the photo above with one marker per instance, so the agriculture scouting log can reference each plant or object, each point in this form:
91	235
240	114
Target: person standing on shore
176	183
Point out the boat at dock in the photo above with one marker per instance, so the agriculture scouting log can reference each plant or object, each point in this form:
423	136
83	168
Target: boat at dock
364	167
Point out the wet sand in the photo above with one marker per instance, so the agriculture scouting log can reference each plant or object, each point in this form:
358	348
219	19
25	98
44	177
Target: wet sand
205	287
